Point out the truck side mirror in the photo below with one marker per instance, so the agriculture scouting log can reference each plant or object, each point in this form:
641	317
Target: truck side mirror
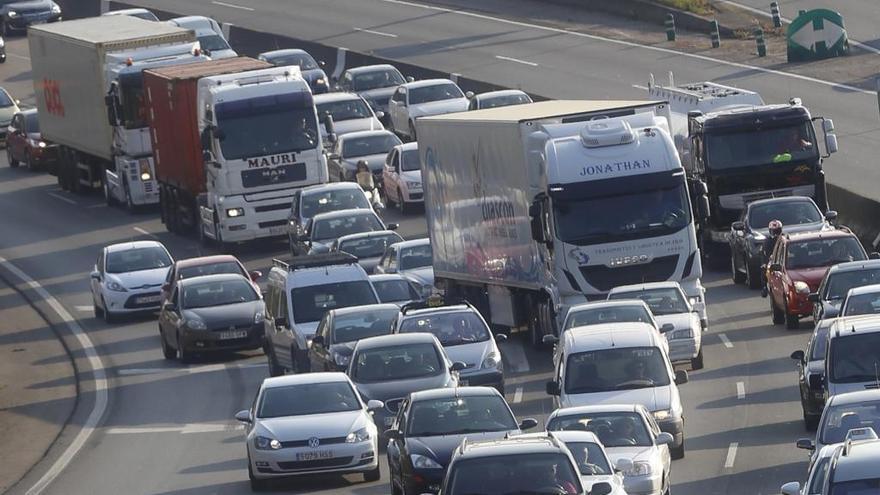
110	102
703	206
797	355
552	388
536	216
830	137
738	226
219	133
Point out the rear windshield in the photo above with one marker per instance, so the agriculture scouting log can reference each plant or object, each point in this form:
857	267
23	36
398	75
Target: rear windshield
614	429
823	252
312	302
595	316
527	474
462	327
391	291
134	260
210	269
401	362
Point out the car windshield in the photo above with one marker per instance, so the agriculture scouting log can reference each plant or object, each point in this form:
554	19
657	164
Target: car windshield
596	316
218	293
369	247
267	125
369	145
400	362
788	212
823	252
311	302
325	201
307	398
213	42
397	290
416	257
855	358
5	99
862	304
839	419
31	123
590	458
456	328
436	92
622	368
210	269
352	108
352	327
665	301
135	260
840	282
409	160
614	429
869	486
503	101
760	147
380	78
819	343
516	474
147	16
459	415
302	60
334	228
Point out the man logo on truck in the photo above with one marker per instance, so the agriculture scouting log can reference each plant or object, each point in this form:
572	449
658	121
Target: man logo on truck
271	161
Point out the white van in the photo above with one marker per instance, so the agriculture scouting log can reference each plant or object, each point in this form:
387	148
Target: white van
617	364
209	33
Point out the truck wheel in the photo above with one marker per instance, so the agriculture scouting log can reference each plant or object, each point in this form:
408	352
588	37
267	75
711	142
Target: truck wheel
163	206
129	204
735	274
75	186
173	224
13	163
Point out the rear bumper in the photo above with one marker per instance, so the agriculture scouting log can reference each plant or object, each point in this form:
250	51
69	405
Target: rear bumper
207	340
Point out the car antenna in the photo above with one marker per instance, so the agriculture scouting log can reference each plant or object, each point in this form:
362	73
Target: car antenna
876	374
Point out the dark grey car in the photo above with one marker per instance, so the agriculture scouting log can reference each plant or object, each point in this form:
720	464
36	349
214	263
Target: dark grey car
837	282
374	83
17	15
311	70
209	314
368	247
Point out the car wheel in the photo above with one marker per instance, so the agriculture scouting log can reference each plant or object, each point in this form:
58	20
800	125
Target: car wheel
13	163
753	275
737	276
697	362
677	452
99	312
167	351
778	314
401	204
811	422
183	353
394	489
29	162
274	368
257	485
373	475
412	131
792	321
108	316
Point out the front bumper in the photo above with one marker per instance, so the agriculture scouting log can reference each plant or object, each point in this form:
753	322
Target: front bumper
132	301
799	304
424	481
209	340
814	403
644	485
417	196
344	458
264	218
683	349
45	157
674	427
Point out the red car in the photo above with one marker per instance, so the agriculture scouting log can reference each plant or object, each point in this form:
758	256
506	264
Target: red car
796	268
207	265
24	144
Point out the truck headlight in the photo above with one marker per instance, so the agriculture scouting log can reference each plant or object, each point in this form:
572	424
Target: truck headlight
639	468
413	185
234	212
12	14
266	443
358	436
801	287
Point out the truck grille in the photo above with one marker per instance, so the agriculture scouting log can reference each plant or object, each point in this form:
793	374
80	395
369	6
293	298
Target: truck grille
273	223
604	278
275	207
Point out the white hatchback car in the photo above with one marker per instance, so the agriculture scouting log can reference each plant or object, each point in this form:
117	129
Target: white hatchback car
422	99
350	113
209	34
128	278
402	177
309	423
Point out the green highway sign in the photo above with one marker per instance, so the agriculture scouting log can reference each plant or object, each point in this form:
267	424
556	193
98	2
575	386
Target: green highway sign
817	34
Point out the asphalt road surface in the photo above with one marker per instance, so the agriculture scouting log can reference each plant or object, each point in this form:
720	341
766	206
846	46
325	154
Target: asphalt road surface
168	428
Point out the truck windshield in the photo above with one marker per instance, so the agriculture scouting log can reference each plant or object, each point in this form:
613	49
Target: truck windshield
621	216
131	86
760	147
267	125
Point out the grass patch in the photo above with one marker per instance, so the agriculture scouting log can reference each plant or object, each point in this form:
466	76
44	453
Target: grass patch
695	6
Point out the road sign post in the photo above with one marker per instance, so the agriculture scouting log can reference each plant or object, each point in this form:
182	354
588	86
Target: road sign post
670	27
759	40
817	34
715	34
774	12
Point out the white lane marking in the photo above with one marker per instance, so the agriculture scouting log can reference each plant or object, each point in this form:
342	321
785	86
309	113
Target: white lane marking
62	198
83	308
197	369
740	390
517	395
21	57
99	205
183	430
142	371
142	231
731	455
725	341
639	86
95	363
209	428
232	6
516	60
146	429
516	358
631	44
378	33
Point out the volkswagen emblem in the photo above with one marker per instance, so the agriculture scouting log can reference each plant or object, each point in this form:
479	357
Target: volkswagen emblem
314	442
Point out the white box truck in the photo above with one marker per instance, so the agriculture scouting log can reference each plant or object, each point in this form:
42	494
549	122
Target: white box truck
533	208
88	84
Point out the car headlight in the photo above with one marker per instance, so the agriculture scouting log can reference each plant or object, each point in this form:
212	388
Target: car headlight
358	436
234	212
801	287
320	81
56	9
491	360
12	14
341	359
639	468
685	333
266	443
259	316
424	462
2	43
41	144
195	324
663	414
413	185
116	286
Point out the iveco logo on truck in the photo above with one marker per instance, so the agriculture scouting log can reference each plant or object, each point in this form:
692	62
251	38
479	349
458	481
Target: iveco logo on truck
271	161
629	260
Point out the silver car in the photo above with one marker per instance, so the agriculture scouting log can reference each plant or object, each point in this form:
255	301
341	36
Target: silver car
395	289
592	461
414	260
815	476
309	423
627	432
368	247
843	412
354	147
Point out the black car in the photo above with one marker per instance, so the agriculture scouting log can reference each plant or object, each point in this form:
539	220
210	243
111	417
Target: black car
17	15
341	329
747	236
838	281
432	423
811	366
209	314
311	70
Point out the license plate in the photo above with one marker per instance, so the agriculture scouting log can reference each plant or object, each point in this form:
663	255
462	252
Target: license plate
313	456
233	334
149	299
276	230
389	420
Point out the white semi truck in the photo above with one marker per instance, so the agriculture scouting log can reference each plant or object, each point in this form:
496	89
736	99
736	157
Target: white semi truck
533	208
89	88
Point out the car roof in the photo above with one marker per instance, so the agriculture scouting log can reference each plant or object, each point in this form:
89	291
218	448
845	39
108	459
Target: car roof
285	51
369	68
513	445
856	461
815	235
395	339
609	335
343	213
218	277
452	308
330	186
856	324
849	266
865	289
413	243
382	277
499	93
788	199
446	393
597	408
320	377
855	397
607	304
125	246
362	134
206	260
137	10
364	308
366	235
646	286
574	436
425	82
337	96
412	145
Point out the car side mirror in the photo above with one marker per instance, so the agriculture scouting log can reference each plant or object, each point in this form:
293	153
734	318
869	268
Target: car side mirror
500	337
552	387
601	488
816	382
410	79
392	434
806	444
667	327
255	275
170	307
738	226
332	138
549	339
681	377
813	297
775	267
665	438
528	423
831	215
469	94
375	405
392	226
457	366
623	465
791	488
380	115
874	255
798	355
95	275
243	416
318	340
281	322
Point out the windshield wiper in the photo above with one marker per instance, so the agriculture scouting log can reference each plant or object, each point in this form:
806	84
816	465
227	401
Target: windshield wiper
633	386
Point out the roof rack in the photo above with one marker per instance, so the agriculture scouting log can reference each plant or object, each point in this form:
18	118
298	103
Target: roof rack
858	435
434	301
315	261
